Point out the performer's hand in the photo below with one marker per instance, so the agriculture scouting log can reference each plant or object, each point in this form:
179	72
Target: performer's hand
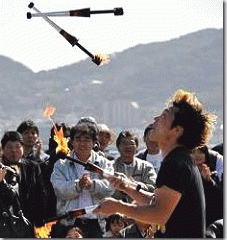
108	206
119	181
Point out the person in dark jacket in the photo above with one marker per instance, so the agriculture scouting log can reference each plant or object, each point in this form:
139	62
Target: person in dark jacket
33	152
32	141
212	185
27	179
13	224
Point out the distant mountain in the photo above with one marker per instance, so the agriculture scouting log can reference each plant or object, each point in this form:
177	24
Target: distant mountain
127	92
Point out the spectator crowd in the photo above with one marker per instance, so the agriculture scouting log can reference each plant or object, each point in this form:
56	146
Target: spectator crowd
38	186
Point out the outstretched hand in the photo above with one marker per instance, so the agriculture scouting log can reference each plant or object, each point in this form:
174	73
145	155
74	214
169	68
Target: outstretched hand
108	206
119	181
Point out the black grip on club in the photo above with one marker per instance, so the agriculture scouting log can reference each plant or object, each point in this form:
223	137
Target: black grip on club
80	13
29	15
118	11
31	5
71	39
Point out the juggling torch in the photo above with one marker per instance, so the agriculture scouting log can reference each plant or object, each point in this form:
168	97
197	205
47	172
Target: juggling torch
98	58
85	12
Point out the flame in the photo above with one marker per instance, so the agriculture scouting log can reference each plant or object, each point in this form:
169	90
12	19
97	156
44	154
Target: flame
101	58
62	142
44	231
49	112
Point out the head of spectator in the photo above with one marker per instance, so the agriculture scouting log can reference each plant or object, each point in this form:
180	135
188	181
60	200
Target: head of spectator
30	134
105	136
127	144
65	231
173	124
202	159
89	119
12	146
114	224
83	137
200	156
74	232
152	146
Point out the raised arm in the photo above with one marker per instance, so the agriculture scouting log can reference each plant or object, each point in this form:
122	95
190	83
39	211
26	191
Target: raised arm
164	201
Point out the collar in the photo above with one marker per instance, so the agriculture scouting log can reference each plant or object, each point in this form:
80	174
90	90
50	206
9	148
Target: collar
88	160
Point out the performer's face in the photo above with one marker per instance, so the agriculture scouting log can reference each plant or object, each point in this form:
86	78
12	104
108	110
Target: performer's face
152	146
162	126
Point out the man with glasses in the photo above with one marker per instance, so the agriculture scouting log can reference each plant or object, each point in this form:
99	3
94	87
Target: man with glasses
141	172
77	188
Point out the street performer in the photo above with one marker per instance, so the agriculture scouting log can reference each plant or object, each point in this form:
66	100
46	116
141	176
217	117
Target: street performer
178	201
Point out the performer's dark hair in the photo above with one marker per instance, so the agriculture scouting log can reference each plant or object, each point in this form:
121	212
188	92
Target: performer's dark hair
190	114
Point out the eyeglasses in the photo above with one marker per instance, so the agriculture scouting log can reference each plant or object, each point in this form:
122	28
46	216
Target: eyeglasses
128	143
83	139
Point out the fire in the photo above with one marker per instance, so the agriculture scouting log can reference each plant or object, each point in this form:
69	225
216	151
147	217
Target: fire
62	142
62	148
44	231
101	58
49	112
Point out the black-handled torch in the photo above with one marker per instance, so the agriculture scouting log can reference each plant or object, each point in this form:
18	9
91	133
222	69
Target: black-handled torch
97	59
85	12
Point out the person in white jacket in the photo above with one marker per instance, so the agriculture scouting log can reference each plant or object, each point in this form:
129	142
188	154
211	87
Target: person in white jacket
75	187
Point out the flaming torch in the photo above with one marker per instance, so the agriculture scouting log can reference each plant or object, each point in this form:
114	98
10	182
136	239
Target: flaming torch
49	112
97	58
62	147
44	231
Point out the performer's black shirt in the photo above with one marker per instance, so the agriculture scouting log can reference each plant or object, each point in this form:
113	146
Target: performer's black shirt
178	173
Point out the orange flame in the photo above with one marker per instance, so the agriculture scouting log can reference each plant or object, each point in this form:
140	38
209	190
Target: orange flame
49	112
102	58
62	142
44	231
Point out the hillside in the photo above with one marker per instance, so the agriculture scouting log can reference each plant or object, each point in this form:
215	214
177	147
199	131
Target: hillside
127	92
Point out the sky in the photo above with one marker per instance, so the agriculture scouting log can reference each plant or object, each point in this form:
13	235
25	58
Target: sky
38	46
